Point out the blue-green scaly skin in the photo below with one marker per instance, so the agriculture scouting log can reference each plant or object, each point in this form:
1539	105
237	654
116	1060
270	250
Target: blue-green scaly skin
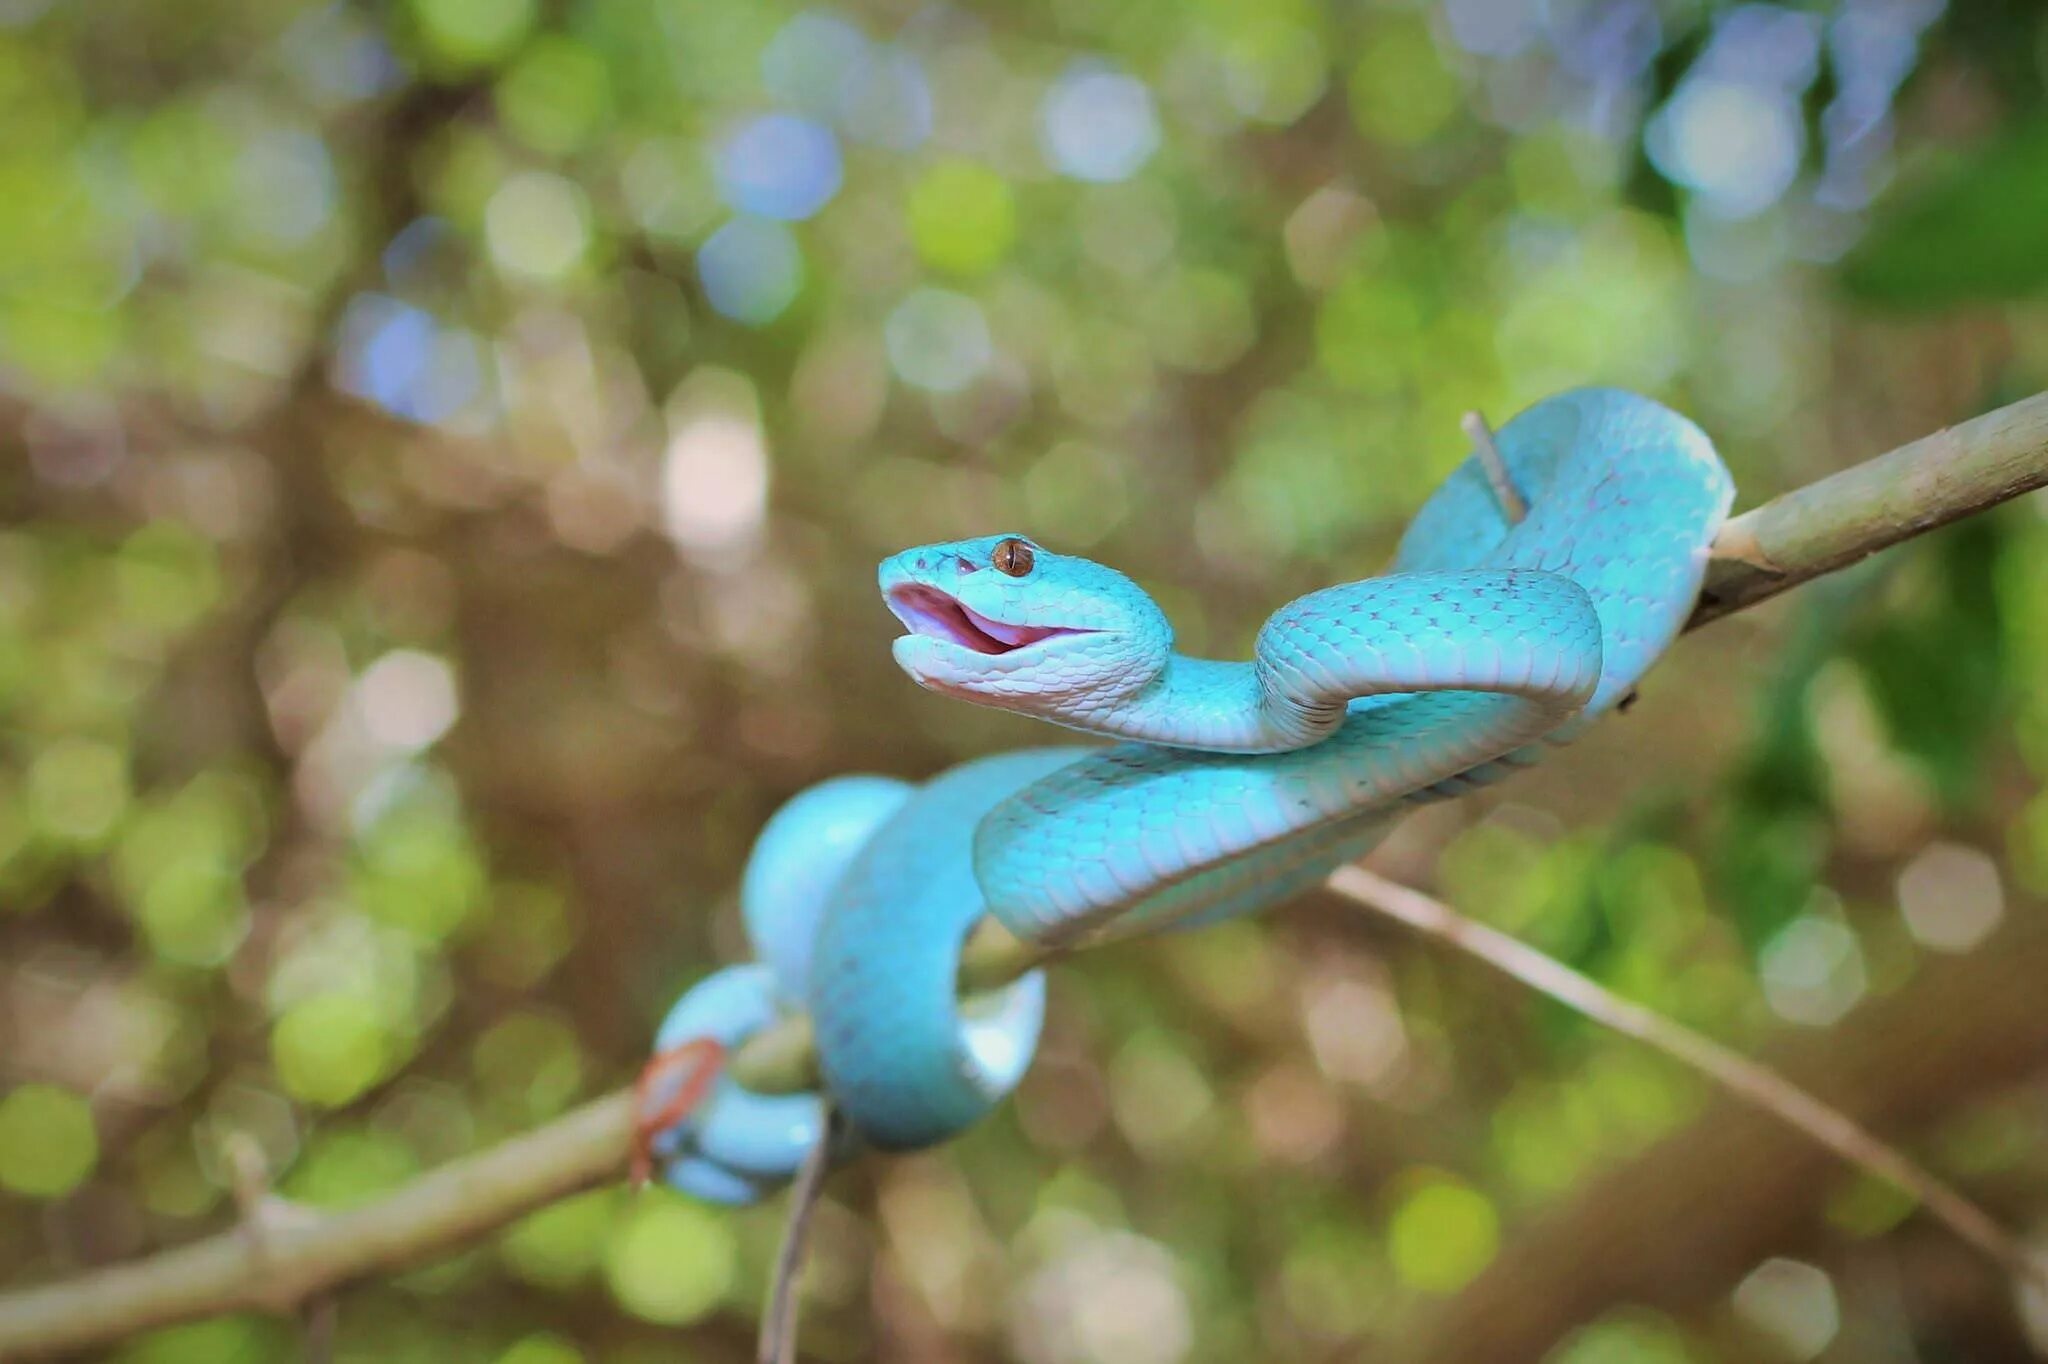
1240	784
897	1056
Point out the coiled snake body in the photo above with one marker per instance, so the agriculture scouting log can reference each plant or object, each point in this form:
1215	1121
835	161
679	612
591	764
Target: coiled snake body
1238	784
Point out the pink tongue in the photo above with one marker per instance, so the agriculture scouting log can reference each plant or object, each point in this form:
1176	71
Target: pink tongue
1016	636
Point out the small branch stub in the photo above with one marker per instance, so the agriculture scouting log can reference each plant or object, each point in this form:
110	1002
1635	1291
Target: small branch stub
1512	504
264	1215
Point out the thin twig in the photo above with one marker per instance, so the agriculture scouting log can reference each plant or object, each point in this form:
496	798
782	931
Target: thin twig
1512	504
1746	1079
779	1322
1796	537
1675	1223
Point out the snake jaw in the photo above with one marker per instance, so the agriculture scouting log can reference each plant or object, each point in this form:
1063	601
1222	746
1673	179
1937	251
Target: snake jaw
930	613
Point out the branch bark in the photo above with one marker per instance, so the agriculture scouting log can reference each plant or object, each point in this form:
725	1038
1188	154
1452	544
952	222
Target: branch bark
1796	537
280	1265
1851	515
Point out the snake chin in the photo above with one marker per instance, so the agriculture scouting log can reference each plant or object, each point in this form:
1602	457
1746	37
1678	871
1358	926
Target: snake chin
932	614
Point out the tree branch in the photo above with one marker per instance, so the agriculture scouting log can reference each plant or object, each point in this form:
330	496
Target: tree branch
290	1262
1796	537
1853	514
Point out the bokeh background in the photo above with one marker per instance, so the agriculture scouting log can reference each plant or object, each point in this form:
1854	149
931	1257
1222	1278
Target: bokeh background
446	447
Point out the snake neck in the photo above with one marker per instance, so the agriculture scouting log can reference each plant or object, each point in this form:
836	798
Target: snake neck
1205	704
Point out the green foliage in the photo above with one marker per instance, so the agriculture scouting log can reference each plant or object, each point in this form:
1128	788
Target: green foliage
346	1166
461	34
542	1348
227	1340
1626	1338
562	1245
423	571
557	97
418	870
76	789
1400	91
1971	232
1935	660
528	1067
963	217
48	1144
1442	1233
331	1048
670	1261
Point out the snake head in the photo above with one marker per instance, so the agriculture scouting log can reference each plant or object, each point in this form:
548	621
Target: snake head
1004	622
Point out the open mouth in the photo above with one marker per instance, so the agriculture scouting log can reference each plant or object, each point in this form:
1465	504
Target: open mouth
929	612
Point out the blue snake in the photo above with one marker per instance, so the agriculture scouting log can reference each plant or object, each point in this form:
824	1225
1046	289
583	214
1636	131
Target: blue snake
1235	785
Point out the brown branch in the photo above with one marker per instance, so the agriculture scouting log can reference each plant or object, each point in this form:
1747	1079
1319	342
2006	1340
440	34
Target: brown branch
234	1271
1874	505
1799	536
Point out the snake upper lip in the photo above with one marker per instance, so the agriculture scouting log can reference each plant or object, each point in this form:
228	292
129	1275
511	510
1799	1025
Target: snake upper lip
939	615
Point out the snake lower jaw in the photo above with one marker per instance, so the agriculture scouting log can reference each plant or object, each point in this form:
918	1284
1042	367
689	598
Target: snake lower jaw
1001	679
931	613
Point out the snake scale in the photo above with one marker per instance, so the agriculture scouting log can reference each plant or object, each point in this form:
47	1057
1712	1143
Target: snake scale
1234	787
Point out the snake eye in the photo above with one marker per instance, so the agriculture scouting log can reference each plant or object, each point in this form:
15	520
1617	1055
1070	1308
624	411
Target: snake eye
1012	556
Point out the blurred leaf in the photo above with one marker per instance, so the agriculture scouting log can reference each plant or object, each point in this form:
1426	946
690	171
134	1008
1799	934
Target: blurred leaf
531	1064
1936	659
1630	1336
1776	826
542	1348
1972	233
77	788
1442	1234
48	1144
562	1245
2027	844
963	217
463	34
1866	1206
221	1340
1400	90
530	930
167	577
345	1166
670	1261
331	1048
418	869
556	96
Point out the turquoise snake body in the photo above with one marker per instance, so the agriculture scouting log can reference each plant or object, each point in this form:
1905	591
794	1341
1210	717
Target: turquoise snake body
1235	786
